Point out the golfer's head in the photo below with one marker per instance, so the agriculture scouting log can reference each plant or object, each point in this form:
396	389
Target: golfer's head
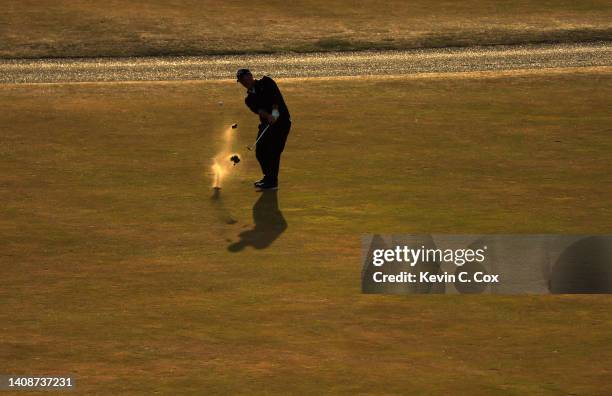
245	78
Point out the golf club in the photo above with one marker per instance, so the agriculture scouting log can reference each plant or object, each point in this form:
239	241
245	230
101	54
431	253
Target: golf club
250	148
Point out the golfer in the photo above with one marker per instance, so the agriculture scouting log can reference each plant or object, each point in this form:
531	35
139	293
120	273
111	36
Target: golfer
265	99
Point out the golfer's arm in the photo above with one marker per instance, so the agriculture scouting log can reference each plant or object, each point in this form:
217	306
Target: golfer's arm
275	96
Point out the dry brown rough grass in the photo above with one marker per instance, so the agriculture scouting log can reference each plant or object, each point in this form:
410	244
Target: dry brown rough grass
188	27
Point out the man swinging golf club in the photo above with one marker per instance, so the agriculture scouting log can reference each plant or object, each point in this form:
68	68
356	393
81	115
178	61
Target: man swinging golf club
265	99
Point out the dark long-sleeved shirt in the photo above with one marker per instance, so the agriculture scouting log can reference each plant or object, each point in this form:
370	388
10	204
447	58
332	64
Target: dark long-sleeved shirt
263	96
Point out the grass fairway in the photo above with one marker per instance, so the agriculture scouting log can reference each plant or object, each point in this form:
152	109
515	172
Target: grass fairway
69	28
115	261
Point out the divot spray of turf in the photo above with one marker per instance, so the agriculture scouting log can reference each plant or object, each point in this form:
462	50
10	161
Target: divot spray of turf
225	159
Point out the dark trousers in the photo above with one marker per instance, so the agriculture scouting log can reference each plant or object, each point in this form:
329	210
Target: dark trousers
269	149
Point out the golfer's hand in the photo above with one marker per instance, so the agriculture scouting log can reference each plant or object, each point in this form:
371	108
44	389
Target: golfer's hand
271	119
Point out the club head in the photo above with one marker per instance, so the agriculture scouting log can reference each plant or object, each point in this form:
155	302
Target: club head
234	126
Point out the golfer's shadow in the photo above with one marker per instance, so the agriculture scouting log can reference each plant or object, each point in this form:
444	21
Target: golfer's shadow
269	224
